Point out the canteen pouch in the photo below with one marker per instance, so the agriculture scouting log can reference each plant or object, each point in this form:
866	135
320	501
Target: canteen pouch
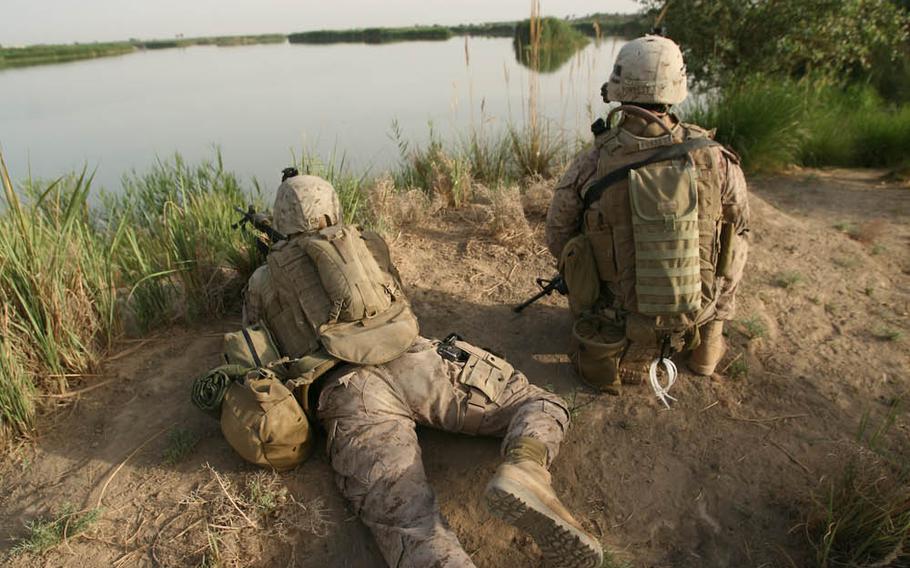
600	344
251	347
263	422
487	376
579	268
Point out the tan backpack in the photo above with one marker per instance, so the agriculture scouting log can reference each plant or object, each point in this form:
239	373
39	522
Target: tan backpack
338	300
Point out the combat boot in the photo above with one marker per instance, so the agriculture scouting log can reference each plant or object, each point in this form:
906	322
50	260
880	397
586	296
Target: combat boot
520	493
710	351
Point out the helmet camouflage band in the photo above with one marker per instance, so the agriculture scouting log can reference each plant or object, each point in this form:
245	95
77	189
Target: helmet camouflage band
305	204
649	69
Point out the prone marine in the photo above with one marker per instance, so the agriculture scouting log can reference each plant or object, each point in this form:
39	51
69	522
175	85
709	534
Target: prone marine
330	336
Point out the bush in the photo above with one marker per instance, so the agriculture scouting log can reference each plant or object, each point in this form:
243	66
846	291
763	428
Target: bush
760	119
773	123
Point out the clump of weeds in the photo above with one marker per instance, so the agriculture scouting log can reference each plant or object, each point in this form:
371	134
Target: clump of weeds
48	532
787	280
180	443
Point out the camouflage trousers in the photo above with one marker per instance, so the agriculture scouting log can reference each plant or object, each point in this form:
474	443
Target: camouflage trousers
370	415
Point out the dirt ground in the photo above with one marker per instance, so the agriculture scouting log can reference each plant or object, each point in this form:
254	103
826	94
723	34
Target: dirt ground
725	478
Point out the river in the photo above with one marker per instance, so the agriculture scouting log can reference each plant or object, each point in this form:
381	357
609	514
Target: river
260	104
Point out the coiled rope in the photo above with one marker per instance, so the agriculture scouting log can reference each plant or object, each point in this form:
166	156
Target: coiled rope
663	391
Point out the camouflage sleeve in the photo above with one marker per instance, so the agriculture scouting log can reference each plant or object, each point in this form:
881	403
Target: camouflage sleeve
564	216
254	296
734	195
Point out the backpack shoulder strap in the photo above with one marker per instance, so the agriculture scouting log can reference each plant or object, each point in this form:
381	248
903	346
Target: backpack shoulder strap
593	191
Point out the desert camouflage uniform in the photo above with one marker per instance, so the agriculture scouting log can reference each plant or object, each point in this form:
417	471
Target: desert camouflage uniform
370	414
564	217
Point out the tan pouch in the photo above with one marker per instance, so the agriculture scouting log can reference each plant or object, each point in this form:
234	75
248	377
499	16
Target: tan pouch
263	422
601	237
373	341
578	267
487	375
600	344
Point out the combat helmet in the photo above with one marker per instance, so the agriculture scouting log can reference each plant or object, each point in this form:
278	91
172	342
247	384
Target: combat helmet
305	204
648	70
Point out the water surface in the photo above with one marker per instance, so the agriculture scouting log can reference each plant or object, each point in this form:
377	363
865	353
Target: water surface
261	103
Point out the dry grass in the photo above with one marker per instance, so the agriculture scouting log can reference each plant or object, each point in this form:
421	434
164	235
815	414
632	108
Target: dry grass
389	209
869	232
508	222
228	519
537	197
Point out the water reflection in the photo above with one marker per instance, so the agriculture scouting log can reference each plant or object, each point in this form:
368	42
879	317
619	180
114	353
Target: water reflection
258	103
547	44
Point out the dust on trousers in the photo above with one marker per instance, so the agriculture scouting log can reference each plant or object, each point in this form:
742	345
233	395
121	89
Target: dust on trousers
370	415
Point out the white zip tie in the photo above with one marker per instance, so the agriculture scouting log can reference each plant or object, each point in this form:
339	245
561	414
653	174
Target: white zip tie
663	392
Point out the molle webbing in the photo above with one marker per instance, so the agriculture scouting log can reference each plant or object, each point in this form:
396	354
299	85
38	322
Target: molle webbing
592	192
664	207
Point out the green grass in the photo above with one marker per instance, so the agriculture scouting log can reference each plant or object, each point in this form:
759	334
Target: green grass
773	123
373	35
180	444
739	369
163	250
860	516
755	327
787	280
888	334
46	533
62	53
44	54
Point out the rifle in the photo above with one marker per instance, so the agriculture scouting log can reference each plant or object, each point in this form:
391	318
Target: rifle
547	287
260	222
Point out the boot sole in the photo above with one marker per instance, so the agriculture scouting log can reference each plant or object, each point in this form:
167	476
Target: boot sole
563	546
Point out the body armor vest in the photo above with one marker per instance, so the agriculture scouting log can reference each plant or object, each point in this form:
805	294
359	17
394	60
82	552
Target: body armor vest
654	234
337	296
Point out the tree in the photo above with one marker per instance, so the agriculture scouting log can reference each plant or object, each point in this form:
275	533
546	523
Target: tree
724	39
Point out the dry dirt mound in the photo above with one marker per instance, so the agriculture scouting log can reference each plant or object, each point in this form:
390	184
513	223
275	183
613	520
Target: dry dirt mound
722	479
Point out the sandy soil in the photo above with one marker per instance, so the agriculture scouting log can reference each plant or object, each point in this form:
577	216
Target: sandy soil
725	478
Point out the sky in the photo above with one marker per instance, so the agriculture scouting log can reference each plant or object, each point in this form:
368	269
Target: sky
25	22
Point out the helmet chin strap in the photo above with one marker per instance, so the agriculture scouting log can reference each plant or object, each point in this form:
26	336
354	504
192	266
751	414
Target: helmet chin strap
641	113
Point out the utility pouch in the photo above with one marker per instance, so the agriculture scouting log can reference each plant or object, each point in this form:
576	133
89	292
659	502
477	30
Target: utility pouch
600	343
578	267
252	347
263	422
486	374
601	237
725	258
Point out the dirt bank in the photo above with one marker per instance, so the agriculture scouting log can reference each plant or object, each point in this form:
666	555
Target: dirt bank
722	479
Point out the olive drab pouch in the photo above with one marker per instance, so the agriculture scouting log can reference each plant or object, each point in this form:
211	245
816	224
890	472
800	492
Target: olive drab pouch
262	421
600	343
251	347
578	266
485	373
664	207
